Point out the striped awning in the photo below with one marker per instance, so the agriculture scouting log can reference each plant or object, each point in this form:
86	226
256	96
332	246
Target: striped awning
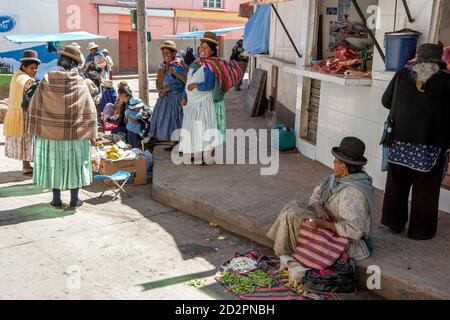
209	15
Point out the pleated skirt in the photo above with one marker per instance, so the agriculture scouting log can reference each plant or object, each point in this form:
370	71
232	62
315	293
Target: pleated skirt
167	118
199	127
62	164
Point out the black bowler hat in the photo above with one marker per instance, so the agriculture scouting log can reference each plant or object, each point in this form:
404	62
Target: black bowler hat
431	53
351	151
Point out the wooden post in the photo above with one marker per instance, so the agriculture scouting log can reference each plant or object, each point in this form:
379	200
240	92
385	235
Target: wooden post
142	51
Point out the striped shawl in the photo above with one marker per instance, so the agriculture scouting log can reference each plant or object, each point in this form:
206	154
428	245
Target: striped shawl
62	109
177	67
228	73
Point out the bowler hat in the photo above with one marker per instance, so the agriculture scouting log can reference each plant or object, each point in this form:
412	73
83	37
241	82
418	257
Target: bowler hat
30	56
351	151
108	84
72	52
169	44
210	37
122	83
431	53
92	45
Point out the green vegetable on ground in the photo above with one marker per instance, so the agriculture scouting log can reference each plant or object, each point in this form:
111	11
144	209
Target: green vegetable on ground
196	283
247	284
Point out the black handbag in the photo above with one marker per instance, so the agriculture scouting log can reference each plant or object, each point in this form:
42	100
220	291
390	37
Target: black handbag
29	95
340	278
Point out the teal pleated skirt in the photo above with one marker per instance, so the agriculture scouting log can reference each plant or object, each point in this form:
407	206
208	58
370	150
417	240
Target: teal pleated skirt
62	164
221	120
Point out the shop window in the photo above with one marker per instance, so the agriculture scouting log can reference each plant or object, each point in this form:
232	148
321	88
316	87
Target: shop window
212	4
339	26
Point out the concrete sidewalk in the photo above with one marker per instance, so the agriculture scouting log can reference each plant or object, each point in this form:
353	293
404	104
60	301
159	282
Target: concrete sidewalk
242	201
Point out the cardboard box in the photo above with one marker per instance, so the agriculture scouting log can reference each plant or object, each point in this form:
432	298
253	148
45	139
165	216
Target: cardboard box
137	167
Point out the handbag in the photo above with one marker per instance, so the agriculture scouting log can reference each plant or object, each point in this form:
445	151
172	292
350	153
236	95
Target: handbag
339	278
388	133
318	249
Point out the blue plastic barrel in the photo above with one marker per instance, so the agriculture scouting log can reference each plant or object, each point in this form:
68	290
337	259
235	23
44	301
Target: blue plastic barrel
400	48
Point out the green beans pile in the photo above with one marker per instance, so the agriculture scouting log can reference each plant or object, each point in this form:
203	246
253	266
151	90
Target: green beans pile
248	284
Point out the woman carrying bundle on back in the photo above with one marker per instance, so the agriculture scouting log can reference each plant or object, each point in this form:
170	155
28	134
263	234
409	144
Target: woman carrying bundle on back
209	78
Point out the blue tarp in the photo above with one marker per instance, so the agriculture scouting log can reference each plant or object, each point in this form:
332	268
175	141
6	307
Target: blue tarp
257	31
55	37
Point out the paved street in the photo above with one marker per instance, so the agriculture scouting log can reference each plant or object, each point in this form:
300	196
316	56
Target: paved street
131	249
128	249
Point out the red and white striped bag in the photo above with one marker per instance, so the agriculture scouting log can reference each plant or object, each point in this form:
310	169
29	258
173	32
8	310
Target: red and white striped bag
318	248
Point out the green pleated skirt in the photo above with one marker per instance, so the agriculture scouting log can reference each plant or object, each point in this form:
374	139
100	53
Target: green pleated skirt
221	120
62	164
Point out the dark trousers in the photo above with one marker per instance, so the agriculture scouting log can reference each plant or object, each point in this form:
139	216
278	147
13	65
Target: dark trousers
426	189
134	140
73	196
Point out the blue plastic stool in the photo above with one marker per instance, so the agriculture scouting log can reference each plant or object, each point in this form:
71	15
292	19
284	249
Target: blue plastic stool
119	179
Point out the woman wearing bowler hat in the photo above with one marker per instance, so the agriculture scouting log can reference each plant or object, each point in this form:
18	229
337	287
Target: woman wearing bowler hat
19	145
342	204
421	138
63	118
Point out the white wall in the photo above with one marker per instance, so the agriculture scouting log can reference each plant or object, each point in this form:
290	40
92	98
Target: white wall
291	13
31	17
357	111
421	11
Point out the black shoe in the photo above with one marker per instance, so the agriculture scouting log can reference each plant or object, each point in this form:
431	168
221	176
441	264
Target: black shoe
76	205
58	205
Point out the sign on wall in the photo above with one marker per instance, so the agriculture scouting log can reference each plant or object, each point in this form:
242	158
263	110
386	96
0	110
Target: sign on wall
7	24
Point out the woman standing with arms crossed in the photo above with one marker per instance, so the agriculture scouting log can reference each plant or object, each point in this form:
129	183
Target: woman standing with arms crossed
19	145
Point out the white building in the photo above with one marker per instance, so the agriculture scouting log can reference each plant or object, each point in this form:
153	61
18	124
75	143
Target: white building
29	17
325	108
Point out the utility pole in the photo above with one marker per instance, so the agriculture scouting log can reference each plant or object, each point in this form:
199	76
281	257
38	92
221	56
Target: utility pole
142	51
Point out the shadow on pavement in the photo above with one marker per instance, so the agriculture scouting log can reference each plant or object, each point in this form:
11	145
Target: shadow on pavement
34	212
14	176
22	191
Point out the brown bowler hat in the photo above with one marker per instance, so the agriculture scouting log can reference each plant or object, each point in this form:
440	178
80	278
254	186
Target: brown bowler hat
30	56
169	44
71	52
210	37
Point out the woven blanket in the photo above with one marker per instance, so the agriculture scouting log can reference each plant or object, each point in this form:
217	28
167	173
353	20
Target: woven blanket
177	67
62	109
271	265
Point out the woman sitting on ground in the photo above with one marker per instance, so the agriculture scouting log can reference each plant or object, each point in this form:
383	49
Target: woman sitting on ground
343	204
124	96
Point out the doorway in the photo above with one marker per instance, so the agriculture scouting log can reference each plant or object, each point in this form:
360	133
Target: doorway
128	55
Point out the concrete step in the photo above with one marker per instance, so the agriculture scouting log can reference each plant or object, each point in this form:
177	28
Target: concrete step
398	281
242	201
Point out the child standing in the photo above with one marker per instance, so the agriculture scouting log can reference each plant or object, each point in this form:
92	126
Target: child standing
133	117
